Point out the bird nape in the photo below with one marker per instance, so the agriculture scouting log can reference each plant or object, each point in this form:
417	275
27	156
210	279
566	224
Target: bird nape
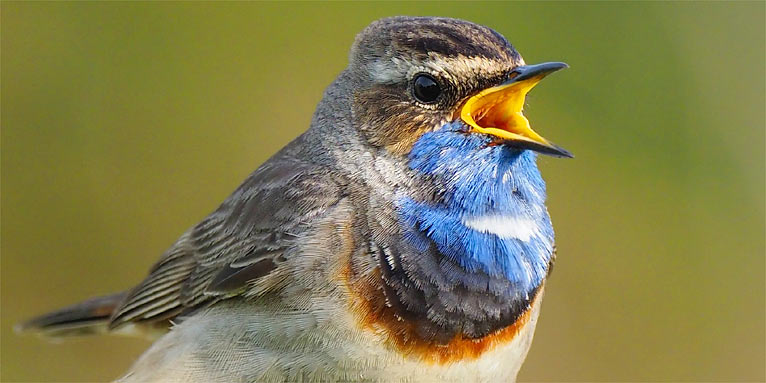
403	237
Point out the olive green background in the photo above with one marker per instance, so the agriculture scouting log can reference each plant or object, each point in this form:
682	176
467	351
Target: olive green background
125	124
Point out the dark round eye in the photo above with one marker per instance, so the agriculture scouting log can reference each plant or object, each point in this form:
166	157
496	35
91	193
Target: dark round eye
425	88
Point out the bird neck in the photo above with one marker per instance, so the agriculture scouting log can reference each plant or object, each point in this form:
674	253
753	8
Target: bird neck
486	210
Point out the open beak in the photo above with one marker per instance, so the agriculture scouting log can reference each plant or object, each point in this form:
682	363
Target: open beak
497	111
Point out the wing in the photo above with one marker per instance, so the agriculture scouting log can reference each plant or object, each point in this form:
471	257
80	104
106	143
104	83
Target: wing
245	239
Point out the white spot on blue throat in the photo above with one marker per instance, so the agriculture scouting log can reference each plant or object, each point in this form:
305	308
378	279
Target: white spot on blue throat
492	216
504	226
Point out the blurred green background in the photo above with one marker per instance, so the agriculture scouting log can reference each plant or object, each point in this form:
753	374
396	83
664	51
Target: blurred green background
125	124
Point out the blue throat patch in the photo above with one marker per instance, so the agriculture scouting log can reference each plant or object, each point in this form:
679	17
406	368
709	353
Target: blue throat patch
491	216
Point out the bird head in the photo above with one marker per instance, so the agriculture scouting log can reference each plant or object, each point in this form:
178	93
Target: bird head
414	75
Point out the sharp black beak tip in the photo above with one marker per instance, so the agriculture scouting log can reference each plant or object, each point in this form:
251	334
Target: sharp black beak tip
563	152
556	151
566	154
528	71
547	149
550	67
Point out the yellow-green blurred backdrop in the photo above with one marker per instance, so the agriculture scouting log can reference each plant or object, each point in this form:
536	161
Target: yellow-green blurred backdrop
123	124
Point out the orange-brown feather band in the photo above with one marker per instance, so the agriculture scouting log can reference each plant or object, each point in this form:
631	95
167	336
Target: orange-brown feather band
369	306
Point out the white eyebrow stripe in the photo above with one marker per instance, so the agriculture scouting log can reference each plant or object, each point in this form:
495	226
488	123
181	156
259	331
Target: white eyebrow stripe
504	226
387	71
390	73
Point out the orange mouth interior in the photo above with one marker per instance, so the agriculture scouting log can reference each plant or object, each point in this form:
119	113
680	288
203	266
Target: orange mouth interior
497	111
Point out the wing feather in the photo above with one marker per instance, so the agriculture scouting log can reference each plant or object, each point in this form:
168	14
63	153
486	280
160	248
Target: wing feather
243	240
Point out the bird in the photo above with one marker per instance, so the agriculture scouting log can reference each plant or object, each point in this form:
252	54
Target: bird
404	236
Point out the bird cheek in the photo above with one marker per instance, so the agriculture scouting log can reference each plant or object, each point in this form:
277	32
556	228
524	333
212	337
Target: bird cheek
389	121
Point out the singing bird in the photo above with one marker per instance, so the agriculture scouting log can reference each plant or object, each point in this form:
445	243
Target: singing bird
403	237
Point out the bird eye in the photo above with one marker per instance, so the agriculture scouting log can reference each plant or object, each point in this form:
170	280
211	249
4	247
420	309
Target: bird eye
425	88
